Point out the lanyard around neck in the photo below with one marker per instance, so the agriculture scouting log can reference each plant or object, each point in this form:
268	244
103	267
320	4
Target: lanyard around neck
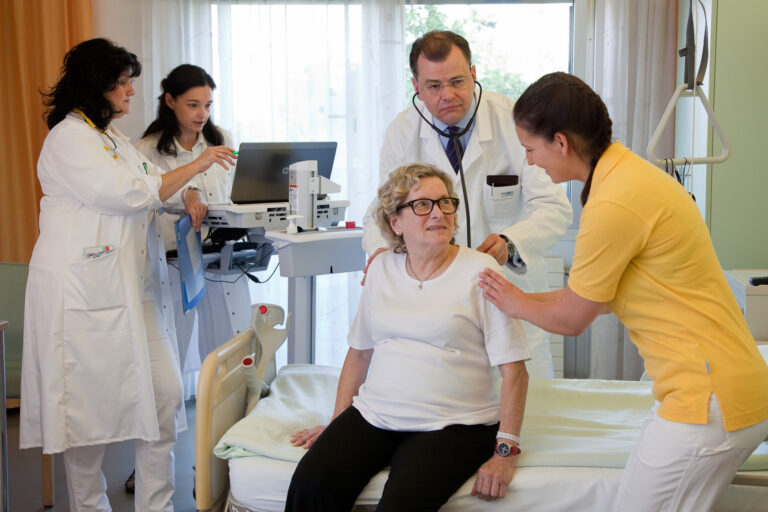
102	133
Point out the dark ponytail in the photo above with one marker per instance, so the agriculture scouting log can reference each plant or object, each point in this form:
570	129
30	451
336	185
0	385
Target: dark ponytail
559	102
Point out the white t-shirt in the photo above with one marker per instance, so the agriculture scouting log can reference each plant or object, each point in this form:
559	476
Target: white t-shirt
435	348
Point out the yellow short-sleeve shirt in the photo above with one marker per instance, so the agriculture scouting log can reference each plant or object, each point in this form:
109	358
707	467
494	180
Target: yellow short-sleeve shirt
644	249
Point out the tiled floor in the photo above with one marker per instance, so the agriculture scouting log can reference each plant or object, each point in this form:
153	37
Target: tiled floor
24	472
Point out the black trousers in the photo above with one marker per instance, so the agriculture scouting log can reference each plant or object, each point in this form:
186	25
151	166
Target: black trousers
426	468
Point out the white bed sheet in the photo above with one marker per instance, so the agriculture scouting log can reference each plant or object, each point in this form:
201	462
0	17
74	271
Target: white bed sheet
568	422
260	484
551	478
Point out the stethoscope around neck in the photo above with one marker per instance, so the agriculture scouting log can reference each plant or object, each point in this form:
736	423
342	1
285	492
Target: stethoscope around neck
456	148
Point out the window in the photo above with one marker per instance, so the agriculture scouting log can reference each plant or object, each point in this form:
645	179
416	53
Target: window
512	44
292	71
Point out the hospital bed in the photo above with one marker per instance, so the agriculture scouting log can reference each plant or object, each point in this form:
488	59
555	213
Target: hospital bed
577	435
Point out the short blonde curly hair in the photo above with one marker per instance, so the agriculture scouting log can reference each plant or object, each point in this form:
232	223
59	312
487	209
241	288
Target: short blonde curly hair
393	193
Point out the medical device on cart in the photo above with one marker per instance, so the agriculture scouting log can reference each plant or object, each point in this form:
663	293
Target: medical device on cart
305	186
260	200
306	250
304	228
260	188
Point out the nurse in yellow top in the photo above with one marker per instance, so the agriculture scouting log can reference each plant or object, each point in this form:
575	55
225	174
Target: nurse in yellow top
644	252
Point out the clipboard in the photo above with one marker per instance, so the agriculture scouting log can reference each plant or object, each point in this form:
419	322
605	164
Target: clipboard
190	254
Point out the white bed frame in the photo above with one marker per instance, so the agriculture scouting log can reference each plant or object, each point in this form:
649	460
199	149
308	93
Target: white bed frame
223	397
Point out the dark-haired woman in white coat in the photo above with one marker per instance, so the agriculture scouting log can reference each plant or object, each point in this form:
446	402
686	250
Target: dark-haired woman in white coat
99	362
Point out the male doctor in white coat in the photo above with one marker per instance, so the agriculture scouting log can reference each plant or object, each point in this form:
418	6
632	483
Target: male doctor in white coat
517	213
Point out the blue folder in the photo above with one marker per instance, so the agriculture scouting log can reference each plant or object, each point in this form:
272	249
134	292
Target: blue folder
190	251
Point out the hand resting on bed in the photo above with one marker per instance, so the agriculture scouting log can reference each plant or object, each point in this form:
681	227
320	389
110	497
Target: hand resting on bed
307	437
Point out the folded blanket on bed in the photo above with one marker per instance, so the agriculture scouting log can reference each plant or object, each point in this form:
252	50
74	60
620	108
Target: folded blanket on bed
568	422
301	396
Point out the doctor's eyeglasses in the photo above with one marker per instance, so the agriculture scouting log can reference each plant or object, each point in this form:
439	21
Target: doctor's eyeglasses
424	206
457	84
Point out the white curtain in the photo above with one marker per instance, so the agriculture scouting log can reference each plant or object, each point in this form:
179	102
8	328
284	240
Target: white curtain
290	71
635	63
173	32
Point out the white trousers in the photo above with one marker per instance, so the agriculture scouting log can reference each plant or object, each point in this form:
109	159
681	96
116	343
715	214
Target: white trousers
684	467
155	468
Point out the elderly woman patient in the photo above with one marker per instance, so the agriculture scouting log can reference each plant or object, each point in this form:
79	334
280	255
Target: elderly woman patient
418	391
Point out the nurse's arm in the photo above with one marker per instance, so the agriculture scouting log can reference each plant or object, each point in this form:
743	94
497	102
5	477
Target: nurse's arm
556	295
177	178
353	374
559	312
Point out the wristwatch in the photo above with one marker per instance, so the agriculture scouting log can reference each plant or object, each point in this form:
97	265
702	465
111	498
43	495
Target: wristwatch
505	449
511	249
187	189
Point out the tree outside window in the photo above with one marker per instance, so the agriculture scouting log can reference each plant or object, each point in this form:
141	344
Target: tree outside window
512	44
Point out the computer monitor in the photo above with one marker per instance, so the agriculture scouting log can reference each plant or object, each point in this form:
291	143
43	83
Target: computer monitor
261	171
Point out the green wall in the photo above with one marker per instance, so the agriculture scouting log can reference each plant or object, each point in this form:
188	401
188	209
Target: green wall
737	202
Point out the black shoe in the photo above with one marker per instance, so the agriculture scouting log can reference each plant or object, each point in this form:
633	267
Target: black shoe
130	484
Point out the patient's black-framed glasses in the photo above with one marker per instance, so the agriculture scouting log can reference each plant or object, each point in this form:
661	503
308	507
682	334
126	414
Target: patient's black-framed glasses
424	206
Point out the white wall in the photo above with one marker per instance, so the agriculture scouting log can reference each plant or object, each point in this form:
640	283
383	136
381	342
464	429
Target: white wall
736	203
121	22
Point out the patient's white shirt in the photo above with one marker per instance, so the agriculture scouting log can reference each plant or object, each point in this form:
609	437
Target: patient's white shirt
435	348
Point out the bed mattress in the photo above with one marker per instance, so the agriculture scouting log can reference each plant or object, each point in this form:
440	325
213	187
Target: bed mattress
260	484
577	435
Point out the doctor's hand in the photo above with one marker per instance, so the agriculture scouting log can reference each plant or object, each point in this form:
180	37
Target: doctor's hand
496	247
493	477
368	263
503	294
222	155
195	206
307	437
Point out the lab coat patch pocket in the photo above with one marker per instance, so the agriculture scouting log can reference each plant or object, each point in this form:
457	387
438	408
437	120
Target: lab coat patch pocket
94	284
501	202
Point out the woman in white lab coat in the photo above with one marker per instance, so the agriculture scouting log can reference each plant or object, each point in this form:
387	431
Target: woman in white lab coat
99	362
182	131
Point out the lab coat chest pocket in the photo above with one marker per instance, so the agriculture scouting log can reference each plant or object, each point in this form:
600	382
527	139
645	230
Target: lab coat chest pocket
94	296
501	203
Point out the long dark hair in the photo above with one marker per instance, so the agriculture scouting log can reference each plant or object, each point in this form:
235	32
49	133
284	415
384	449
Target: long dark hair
179	81
90	69
559	102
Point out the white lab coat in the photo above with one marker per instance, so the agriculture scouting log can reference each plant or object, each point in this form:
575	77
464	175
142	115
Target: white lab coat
534	214
215	183
85	367
225	308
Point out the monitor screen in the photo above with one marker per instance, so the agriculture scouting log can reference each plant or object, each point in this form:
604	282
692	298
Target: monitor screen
261	171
